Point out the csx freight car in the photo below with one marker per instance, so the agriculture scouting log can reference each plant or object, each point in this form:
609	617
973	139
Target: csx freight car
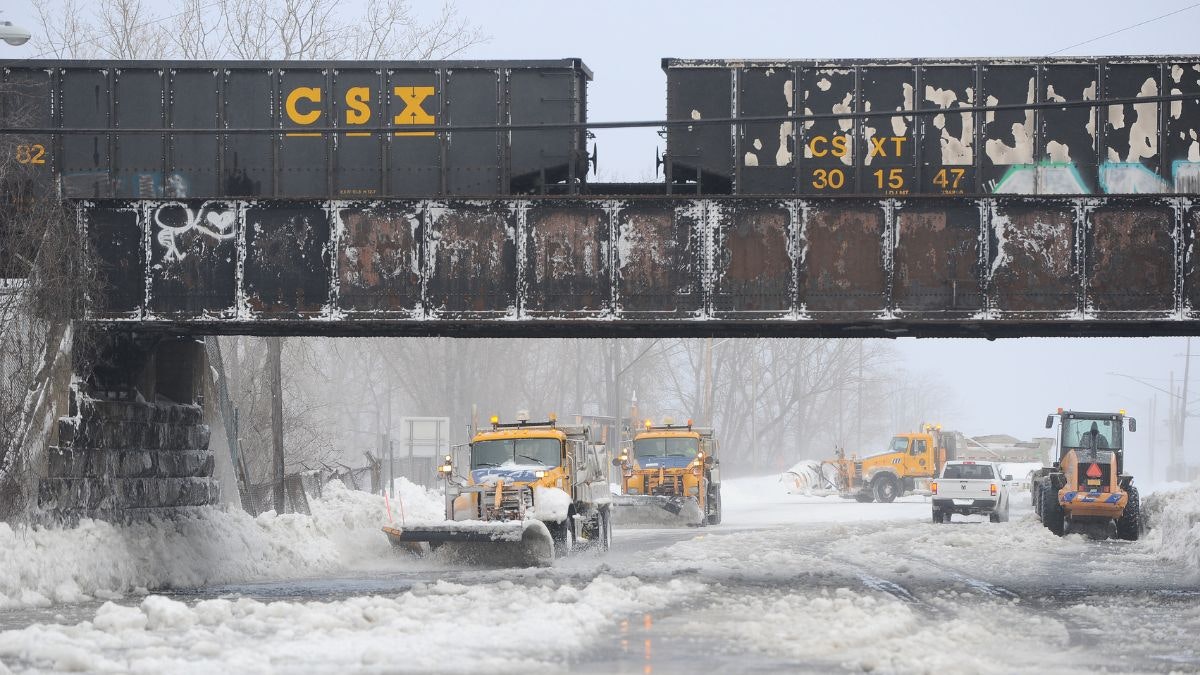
487	128
853	142
295	104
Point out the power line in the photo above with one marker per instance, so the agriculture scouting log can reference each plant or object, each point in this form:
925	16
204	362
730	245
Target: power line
553	126
1122	30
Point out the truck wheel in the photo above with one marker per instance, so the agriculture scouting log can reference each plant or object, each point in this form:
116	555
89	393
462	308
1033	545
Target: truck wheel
937	516
1052	510
994	517
605	529
714	507
1129	525
886	489
564	536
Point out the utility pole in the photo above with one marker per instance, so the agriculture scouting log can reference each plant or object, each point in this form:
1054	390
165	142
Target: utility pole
858	405
708	385
1178	467
614	395
275	355
1153	426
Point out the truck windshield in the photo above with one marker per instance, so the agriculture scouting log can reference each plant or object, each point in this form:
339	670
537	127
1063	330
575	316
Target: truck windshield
899	444
968	471
666	447
539	451
1077	433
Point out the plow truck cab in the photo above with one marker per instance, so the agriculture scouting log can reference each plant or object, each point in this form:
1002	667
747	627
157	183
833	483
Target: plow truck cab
908	465
1087	490
670	476
538	490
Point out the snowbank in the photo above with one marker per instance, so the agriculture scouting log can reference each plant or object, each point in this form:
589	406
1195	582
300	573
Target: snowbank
442	627
41	566
1174	519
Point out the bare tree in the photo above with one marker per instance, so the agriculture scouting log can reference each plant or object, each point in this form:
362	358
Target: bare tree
253	30
45	280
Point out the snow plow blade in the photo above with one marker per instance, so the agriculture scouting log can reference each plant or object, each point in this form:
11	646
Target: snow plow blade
526	542
656	511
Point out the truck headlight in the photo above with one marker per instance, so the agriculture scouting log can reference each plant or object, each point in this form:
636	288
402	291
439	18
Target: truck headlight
539	474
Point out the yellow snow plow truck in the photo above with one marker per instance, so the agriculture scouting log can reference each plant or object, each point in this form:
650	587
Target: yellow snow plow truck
670	476
534	491
1087	489
909	464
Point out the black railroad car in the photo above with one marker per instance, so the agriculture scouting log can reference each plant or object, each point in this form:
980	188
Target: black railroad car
1130	148
320	111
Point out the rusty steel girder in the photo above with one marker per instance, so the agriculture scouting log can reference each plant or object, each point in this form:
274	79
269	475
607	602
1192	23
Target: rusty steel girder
989	267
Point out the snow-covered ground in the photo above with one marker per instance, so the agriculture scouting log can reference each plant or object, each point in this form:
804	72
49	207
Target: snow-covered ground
788	582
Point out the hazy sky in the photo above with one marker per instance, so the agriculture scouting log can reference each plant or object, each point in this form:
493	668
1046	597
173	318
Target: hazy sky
1000	387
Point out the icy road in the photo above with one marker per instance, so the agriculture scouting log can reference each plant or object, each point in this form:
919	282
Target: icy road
787	584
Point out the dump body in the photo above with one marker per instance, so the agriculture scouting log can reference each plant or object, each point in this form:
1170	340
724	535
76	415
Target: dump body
291	156
670	476
1130	148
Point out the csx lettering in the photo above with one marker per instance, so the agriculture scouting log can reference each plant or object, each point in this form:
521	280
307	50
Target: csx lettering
303	107
819	146
878	144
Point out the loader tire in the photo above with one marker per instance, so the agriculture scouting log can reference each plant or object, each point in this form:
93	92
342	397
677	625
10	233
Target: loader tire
714	507
1052	511
886	489
1129	525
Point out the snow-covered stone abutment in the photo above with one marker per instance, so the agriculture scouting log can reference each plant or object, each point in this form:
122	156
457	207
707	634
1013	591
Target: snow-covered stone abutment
126	459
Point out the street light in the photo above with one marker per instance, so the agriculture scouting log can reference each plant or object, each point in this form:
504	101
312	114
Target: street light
13	35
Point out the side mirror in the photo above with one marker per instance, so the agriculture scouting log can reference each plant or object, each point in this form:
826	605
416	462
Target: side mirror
1007	478
1132	424
1049	421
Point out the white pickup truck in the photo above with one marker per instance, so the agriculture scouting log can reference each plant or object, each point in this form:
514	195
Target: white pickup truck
970	487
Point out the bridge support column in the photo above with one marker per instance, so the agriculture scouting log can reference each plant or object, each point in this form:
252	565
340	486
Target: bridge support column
134	442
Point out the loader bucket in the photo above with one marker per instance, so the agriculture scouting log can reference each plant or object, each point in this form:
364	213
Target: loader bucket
502	543
656	511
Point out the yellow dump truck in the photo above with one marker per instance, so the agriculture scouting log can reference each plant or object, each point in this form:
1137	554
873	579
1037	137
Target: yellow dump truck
909	463
533	491
670	475
1087	489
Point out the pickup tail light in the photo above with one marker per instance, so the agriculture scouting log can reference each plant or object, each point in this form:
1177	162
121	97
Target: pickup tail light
993	489
933	487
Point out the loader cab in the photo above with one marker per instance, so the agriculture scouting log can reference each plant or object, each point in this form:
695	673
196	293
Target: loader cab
1088	432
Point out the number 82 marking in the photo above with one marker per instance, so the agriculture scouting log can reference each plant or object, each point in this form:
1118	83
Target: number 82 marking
31	154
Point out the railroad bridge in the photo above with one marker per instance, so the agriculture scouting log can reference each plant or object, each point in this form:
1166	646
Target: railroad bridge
800	198
603	266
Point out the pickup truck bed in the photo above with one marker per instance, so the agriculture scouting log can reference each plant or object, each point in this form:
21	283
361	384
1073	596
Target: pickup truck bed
959	490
